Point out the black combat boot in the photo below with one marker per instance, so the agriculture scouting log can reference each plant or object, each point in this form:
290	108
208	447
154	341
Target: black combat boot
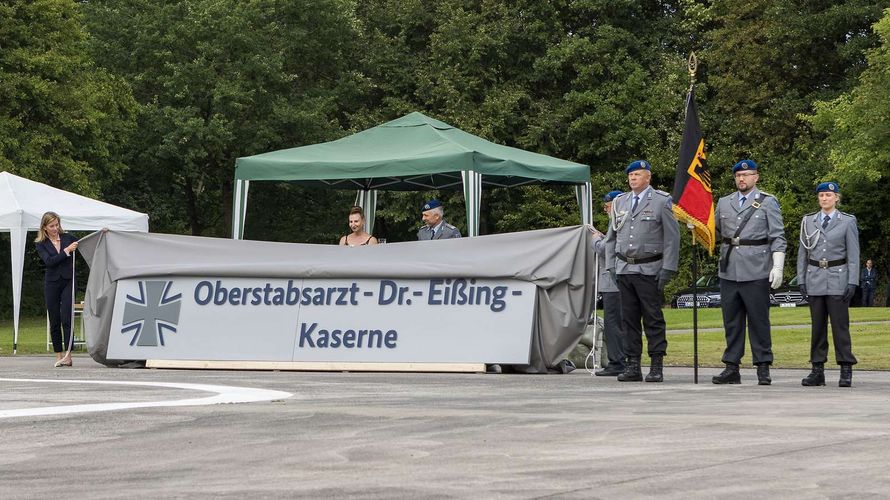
656	369
846	376
763	374
729	375
816	377
632	372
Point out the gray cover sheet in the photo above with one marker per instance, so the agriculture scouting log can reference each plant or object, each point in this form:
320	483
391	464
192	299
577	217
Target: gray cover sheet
558	261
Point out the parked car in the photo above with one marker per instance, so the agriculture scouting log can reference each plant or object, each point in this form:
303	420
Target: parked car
787	295
708	291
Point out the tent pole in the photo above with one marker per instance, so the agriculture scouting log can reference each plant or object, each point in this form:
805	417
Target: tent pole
584	194
17	251
236	210
472	199
239	208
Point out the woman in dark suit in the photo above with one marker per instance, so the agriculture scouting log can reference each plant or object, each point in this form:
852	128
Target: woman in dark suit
55	248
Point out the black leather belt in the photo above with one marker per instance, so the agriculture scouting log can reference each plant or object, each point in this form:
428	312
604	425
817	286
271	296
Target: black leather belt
642	260
748	243
825	263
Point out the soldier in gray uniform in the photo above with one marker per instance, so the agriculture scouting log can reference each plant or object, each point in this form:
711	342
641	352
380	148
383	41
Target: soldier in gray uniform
435	227
828	270
612	325
752	257
643	250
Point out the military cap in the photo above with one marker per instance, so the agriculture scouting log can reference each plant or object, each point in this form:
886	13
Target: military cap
744	165
431	205
611	195
831	187
638	165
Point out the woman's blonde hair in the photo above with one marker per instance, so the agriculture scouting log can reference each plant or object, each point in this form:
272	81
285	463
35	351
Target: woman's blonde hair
45	221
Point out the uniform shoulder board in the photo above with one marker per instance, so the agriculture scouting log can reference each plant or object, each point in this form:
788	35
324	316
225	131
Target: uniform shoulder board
449	226
767	195
810	215
848	215
662	193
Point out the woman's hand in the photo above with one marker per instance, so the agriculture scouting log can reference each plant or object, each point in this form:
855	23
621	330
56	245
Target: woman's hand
70	248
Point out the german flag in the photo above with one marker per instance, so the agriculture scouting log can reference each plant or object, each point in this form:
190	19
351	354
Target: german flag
692	197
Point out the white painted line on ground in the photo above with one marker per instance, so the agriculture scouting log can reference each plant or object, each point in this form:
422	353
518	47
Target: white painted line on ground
224	394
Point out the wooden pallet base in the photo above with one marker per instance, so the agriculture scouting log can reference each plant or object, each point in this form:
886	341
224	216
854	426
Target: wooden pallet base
316	366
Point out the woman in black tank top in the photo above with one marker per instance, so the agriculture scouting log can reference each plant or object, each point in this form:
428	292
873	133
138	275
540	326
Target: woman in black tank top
358	236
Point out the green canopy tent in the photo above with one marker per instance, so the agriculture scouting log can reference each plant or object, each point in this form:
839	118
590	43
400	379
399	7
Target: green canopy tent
413	152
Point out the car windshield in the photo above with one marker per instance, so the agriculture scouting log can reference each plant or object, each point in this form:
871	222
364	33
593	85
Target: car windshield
793	281
703	281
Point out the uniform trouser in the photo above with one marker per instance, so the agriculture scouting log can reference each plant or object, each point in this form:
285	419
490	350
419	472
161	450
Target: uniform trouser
823	307
868	296
58	307
641	303
746	303
612	329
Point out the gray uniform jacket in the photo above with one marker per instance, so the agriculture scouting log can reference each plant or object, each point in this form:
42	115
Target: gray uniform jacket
445	231
749	263
650	230
840	240
606	283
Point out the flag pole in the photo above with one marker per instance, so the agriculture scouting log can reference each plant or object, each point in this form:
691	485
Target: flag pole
694	304
692	66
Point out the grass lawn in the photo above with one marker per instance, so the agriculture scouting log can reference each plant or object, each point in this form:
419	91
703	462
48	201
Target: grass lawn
32	336
791	348
681	319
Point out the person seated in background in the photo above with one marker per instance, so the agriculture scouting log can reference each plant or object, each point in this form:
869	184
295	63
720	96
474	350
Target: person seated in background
434	226
358	237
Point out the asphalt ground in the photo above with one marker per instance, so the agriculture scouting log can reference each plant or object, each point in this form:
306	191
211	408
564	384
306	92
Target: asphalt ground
398	435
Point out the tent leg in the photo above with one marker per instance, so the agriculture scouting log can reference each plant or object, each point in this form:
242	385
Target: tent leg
584	194
17	251
472	198
239	208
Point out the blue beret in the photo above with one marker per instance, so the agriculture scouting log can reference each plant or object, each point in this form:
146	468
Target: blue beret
744	165
431	205
611	195
831	187
638	165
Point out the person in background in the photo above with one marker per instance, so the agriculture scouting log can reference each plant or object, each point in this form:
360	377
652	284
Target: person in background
612	325
867	282
752	256
827	266
434	226
358	237
55	248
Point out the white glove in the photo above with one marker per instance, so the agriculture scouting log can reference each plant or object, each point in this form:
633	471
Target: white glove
775	274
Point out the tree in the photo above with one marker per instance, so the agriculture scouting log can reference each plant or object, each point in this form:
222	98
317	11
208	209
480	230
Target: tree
60	116
216	80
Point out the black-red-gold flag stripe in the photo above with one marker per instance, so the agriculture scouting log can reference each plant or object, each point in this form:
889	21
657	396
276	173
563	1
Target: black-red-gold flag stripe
692	197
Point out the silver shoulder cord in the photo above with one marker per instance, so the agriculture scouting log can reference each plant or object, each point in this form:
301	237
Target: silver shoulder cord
808	240
613	219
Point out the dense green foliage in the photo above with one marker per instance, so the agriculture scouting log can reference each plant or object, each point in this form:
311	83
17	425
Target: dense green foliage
147	104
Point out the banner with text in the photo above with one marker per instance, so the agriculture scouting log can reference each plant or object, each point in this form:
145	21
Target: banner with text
332	320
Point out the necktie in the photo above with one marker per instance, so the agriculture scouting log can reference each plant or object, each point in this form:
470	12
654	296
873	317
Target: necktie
825	221
742	201
636	201
432	233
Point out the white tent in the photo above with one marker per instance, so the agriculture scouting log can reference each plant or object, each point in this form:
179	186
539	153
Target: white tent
23	202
